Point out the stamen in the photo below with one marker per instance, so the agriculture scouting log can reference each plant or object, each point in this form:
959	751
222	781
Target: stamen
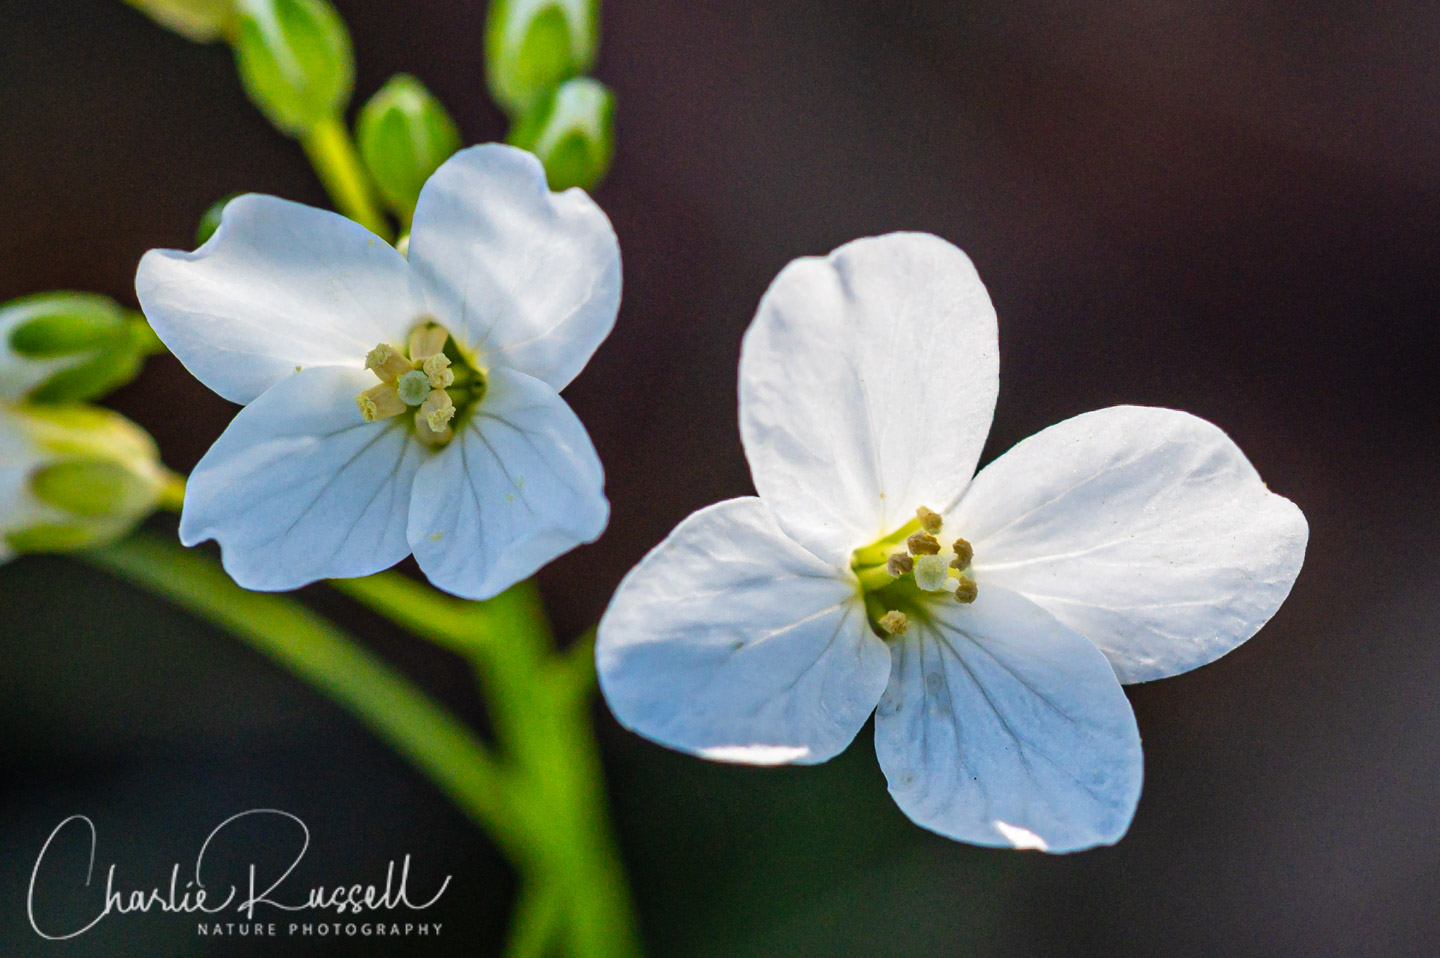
437	367
427	340
931	573
436	412
964	552
929	521
922	544
895	622
966	590
899	563
414	387
429	436
380	402
387	363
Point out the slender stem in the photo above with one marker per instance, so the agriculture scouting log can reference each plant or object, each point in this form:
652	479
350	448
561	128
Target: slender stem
338	165
411	722
172	493
538	920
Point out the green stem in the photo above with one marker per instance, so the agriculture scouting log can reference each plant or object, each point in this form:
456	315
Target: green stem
539	704
337	162
408	720
539	917
172	493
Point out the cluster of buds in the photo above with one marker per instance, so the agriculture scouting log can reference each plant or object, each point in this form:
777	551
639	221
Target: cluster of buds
72	475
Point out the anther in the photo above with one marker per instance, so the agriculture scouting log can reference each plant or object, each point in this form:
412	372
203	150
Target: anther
437	368
380	402
964	552
929	521
922	544
427	340
895	622
414	387
436	411
931	573
966	590
386	362
899	563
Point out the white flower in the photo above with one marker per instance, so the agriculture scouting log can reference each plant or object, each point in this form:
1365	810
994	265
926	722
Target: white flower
1122	545
396	406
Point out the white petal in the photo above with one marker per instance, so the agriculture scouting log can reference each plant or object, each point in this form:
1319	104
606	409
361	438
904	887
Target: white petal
1001	726
732	642
519	485
867	384
1147	530
524	277
299	488
279	285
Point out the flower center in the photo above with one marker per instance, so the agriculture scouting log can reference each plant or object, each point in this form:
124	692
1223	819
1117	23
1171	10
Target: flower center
902	572
432	377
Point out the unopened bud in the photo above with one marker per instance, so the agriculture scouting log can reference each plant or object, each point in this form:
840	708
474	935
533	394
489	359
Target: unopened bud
295	60
73	477
66	347
404	135
198	20
572	131
532	46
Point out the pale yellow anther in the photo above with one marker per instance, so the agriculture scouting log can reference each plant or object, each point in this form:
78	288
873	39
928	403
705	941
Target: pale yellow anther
899	563
895	622
966	590
427	340
436	411
437	367
429	436
929	521
922	544
964	553
387	362
380	402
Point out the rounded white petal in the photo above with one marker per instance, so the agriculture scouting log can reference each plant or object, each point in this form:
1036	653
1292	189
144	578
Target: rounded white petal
1147	530
519	485
523	277
732	642
279	285
1002	726
299	488
867	385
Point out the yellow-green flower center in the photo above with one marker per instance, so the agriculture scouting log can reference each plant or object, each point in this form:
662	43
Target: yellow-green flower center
912	567
432	376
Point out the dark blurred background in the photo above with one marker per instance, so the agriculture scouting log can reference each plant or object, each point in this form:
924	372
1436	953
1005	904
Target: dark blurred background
1230	208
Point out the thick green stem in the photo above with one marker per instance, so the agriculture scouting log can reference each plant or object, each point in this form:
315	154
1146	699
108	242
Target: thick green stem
412	723
337	163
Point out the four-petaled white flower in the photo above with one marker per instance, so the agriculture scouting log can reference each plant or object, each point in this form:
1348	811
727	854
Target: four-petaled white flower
391	405
989	636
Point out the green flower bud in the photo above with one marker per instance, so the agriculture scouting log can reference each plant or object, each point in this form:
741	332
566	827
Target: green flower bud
198	20
573	133
72	477
295	61
66	347
532	46
405	134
